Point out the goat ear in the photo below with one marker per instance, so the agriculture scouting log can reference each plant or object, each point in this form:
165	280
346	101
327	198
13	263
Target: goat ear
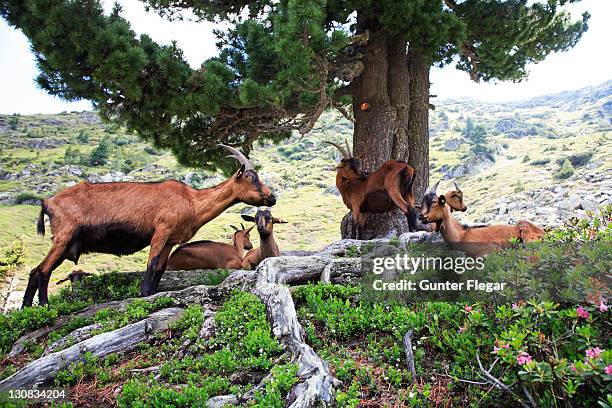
442	200
240	172
278	221
249	218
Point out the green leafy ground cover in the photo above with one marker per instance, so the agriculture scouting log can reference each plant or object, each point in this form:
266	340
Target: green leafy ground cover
189	370
560	352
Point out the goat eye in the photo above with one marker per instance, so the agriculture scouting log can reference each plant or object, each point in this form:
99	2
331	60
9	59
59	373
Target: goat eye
250	178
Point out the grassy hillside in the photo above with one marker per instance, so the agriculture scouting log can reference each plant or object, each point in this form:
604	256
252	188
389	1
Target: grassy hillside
42	154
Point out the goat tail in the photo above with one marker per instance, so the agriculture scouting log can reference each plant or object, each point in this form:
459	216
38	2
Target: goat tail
40	226
411	181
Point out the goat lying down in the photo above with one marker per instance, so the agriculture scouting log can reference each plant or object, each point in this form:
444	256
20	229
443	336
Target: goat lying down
123	218
267	245
474	241
210	254
454	199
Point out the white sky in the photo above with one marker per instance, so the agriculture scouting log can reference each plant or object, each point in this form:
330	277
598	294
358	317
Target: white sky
589	63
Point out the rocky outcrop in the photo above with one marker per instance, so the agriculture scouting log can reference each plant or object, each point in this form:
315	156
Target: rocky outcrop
553	205
472	166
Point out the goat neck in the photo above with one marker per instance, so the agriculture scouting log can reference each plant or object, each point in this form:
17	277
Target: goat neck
268	246
238	241
209	203
452	230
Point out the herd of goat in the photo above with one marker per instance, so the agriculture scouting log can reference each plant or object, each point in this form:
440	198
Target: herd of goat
122	218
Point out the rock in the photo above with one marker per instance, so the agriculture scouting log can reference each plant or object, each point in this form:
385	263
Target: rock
588	204
502	209
420	236
473	166
73	170
547	211
574	201
384	250
222	401
565	205
504	125
452	144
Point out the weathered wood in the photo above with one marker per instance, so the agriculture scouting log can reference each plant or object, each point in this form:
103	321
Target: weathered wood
120	340
301	269
78	335
316	384
410	354
193	295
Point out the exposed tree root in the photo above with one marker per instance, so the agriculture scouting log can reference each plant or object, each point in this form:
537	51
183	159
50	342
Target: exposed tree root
316	384
120	340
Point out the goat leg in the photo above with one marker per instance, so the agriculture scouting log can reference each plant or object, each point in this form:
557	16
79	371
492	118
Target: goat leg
30	291
43	284
411	217
158	244
162	262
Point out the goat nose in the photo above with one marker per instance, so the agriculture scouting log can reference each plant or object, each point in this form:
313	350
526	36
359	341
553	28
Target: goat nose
271	199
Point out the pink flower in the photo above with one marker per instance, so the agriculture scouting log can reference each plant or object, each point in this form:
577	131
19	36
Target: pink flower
461	329
582	313
506	346
523	358
467	308
602	306
594	352
573	367
495	349
609	369
515	306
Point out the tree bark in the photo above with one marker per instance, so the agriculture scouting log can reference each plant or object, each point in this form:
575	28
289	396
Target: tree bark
418	123
393	124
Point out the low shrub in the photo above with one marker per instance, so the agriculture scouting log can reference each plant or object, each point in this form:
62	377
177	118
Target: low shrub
565	171
26	196
540	162
576	159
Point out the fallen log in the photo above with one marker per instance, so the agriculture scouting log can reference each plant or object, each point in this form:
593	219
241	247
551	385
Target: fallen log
202	295
120	340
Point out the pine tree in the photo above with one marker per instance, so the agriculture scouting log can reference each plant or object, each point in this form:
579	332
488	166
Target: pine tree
282	63
99	156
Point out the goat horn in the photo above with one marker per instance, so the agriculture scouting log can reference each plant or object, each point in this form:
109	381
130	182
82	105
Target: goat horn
235	229
236	154
242	225
434	188
348	149
345	154
456	186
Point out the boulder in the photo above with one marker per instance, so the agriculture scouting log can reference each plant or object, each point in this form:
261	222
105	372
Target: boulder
588	204
504	125
452	144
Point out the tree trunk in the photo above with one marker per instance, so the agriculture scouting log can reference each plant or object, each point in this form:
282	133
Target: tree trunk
418	123
387	125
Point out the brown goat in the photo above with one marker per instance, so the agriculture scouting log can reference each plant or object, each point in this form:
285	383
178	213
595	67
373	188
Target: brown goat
267	246
454	199
74	277
210	254
475	241
123	218
381	191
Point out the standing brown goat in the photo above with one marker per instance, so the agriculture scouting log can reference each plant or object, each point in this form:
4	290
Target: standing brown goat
475	241
210	254
267	246
123	218
388	187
